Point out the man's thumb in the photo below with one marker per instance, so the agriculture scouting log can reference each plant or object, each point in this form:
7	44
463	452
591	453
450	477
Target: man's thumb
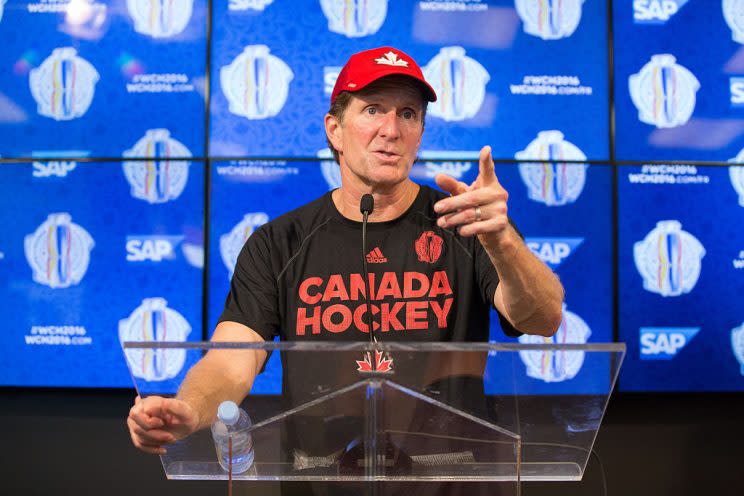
450	184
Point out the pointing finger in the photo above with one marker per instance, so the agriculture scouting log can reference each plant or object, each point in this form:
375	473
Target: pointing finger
486	173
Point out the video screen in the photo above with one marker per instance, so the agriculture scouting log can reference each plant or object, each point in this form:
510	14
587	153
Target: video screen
679	80
102	78
504	72
681	274
93	255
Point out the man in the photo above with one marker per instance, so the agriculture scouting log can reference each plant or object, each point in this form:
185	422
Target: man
299	276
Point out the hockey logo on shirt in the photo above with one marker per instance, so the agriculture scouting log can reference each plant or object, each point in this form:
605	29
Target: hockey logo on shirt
409	302
429	247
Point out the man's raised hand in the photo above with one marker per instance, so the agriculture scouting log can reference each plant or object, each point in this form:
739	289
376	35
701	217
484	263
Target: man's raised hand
478	209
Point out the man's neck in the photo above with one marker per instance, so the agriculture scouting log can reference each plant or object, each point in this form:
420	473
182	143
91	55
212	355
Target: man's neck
390	203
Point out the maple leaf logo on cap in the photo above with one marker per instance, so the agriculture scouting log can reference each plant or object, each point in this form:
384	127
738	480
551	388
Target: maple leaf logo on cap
391	58
366	67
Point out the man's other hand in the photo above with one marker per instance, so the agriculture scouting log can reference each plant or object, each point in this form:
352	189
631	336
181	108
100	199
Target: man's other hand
156	421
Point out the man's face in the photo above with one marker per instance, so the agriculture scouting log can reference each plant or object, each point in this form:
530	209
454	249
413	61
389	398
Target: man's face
379	136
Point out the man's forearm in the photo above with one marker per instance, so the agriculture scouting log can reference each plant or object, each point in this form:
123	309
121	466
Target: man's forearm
531	294
211	382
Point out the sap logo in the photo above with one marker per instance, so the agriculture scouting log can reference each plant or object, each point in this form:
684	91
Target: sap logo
655	11
152	248
58	168
553	251
330	75
736	85
663	343
454	169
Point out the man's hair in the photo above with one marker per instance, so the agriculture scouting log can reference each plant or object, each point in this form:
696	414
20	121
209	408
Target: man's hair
339	106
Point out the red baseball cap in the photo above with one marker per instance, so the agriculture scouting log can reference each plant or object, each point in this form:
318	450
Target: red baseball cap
368	66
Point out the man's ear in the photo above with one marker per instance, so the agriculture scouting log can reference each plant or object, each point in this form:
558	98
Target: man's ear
334	131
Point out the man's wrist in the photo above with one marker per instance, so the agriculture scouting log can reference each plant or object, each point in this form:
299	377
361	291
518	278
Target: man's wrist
196	408
502	244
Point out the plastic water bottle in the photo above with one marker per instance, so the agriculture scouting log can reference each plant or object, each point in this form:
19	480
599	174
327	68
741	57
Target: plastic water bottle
233	422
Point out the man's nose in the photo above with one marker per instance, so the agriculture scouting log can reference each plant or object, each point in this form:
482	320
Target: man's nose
390	127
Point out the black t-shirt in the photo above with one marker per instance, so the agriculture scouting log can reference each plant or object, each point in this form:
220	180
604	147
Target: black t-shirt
300	277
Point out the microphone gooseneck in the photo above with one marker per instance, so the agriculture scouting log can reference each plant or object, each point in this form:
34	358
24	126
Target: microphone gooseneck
366	206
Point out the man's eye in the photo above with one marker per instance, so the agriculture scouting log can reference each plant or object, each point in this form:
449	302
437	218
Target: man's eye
409	114
371	110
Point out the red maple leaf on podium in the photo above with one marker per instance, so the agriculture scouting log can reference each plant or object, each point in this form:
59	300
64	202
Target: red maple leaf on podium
382	365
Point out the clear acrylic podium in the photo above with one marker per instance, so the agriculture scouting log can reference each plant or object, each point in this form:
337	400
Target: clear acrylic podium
402	411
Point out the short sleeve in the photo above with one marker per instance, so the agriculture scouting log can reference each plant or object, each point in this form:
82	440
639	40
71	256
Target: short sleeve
253	298
488	280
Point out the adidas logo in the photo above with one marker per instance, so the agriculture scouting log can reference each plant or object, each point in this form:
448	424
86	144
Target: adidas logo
376	256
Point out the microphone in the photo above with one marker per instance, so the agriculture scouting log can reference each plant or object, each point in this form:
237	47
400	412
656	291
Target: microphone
366	206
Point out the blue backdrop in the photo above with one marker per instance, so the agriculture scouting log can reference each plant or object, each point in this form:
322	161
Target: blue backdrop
72	278
106	85
679	330
694	106
95	251
303	55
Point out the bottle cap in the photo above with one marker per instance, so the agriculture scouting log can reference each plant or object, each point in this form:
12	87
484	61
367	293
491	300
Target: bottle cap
228	412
